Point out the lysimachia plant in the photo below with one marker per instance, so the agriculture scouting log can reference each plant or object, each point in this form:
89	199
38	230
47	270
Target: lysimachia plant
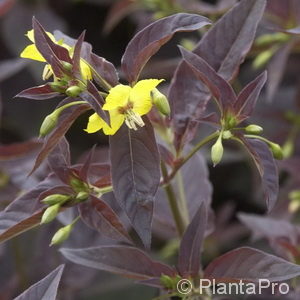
152	138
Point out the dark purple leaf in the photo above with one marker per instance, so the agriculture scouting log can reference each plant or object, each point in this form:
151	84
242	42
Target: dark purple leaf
270	228
66	119
206	8
107	71
250	265
16	161
59	160
218	86
25	212
135	171
86	48
127	261
84	170
47	47
96	101
188	98
295	30
148	41
45	289
189	258
276	68
10	67
267	168
117	12
226	44
77	56
40	92
100	216
247	98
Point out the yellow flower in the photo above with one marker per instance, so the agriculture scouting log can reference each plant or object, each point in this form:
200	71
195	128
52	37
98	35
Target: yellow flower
125	104
31	52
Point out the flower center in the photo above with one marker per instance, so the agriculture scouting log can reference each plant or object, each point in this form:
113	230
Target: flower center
132	119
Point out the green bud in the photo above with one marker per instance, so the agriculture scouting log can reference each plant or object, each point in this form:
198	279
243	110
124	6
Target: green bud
56	199
167	281
161	102
50	214
262	58
217	151
73	91
267	39
288	149
57	86
67	66
61	235
230	121
78	185
188	44
81	196
49	124
294	195
254	129
227	134
294	205
276	150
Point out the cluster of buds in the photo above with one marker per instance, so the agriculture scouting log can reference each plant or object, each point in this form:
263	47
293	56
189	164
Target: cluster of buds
250	131
56	202
67	84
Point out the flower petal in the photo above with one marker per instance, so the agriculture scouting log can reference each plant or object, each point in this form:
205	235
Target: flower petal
32	52
85	70
117	97
116	121
30	35
140	95
95	123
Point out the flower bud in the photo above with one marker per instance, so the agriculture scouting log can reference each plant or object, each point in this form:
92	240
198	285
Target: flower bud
267	39
288	148
161	102
73	91
61	235
217	151
294	195
262	58
57	86
67	66
50	214
227	134
81	196
167	281
48	124
276	150
56	199
78	185
294	205
254	129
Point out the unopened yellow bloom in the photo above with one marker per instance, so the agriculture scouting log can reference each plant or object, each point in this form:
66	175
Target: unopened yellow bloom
125	104
31	52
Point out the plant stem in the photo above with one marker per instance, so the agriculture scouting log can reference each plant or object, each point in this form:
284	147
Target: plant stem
180	224
192	152
182	198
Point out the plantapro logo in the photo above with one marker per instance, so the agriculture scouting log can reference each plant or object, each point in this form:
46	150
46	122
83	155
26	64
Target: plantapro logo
212	287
